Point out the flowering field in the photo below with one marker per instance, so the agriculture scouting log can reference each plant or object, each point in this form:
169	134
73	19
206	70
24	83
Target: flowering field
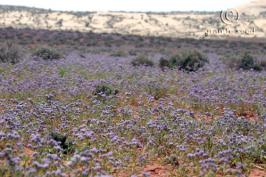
93	113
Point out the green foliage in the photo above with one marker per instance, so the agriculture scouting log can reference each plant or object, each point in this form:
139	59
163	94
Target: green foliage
62	72
10	53
65	144
142	60
173	160
47	54
163	63
248	62
173	61
190	61
104	89
257	67
257	154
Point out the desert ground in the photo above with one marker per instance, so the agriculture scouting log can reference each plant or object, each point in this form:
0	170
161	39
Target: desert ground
98	103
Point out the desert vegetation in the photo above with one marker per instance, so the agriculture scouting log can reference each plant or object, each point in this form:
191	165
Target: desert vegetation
47	54
190	61
112	105
10	53
245	61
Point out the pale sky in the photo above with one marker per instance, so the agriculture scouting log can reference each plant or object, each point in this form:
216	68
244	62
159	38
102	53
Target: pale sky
129	5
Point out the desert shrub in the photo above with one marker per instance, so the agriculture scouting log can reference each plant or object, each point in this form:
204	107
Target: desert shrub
103	89
163	63
248	62
47	54
65	144
173	61
10	53
257	67
142	60
190	61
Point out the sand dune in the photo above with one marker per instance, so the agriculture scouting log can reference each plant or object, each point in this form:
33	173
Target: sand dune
178	24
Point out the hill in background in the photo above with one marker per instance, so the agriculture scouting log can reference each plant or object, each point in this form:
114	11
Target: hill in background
252	22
